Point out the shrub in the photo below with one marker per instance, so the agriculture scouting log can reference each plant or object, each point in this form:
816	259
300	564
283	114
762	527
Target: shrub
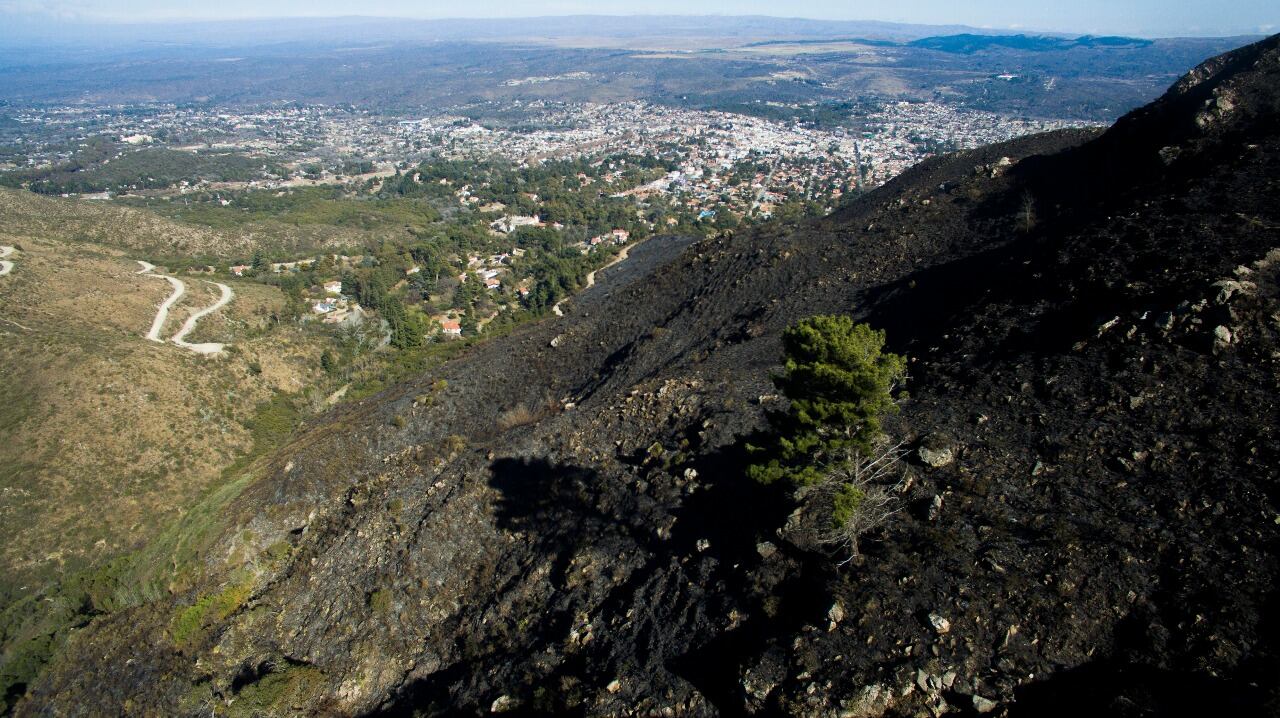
453	444
189	624
285	687
380	601
279	550
518	415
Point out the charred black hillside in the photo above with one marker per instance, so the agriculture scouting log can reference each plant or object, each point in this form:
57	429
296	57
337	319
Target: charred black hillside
565	527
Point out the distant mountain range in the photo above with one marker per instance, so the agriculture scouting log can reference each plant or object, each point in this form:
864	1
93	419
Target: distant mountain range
970	43
24	31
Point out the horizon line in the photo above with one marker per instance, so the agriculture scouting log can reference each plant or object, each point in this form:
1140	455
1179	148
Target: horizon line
48	20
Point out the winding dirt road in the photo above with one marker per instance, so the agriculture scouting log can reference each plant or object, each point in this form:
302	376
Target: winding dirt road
211	347
591	278
5	265
180	288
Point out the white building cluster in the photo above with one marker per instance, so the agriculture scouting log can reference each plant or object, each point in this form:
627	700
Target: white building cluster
791	160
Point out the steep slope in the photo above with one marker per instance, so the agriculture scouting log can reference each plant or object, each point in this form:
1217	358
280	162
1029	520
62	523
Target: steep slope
106	437
562	524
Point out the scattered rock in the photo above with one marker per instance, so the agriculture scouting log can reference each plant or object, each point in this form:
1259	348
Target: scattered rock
1107	325
936	450
983	705
940	624
928	682
1223	338
1229	288
935	508
836	613
874	700
759	681
614	686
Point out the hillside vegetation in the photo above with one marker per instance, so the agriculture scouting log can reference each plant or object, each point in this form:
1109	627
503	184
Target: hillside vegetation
145	233
105	437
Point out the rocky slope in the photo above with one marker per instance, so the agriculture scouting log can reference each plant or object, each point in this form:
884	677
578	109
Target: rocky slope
562	524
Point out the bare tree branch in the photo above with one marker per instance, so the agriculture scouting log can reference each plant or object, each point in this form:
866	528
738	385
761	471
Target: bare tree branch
869	479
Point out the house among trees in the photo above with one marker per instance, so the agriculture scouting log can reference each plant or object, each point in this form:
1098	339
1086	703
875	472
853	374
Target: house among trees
509	224
617	236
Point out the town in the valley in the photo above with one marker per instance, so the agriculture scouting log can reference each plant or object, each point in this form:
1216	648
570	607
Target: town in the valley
526	197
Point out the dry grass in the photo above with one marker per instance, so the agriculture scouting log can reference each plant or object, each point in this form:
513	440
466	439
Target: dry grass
518	415
105	436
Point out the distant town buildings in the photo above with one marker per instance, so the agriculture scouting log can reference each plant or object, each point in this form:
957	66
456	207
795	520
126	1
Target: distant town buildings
712	149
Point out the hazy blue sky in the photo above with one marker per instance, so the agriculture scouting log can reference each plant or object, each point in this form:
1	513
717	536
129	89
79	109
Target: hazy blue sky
1137	17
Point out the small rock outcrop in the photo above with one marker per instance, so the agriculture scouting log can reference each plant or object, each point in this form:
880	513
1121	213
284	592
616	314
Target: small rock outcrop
936	450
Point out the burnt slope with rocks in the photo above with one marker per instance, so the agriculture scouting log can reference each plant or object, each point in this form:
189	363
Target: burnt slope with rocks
564	525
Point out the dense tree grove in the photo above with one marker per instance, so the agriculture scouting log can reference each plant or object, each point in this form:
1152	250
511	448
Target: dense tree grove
102	165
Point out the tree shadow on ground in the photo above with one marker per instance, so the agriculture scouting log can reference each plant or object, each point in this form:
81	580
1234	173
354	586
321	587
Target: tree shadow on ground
736	515
677	593
1107	688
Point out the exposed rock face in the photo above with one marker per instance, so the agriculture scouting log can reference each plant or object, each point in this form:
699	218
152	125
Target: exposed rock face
1107	537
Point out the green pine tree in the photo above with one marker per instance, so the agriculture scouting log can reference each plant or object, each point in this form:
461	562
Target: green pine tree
840	382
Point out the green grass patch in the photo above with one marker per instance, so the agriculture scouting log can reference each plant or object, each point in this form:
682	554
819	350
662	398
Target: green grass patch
405	364
192	622
34	627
